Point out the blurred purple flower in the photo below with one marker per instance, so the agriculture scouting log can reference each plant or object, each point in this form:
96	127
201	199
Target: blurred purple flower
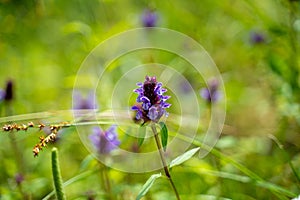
7	94
9	91
185	87
84	103
149	18
257	38
19	178
151	101
105	141
211	93
2	95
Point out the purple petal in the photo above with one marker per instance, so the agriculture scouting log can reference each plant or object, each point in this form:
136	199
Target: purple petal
135	108
205	94
145	99
146	106
216	96
140	84
166	97
166	105
153	113
139	90
138	115
91	101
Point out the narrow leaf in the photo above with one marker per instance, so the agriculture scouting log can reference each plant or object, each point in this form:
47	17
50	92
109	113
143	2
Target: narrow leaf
184	157
87	161
146	187
164	135
142	133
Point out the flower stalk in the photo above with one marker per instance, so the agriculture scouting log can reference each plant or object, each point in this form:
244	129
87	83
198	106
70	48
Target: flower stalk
163	160
105	141
60	195
106	181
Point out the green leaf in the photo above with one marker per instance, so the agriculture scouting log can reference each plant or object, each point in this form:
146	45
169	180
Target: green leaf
86	163
142	133
164	135
147	185
184	157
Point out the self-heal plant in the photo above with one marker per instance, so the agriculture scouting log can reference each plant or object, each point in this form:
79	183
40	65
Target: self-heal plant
211	93
151	103
88	102
149	18
104	141
84	106
151	106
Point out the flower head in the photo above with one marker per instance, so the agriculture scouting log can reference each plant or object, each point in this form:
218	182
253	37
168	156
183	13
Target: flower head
211	93
84	103
19	178
151	103
257	38
149	18
105	141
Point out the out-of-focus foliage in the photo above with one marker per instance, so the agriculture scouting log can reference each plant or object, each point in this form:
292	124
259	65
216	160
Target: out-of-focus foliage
255	45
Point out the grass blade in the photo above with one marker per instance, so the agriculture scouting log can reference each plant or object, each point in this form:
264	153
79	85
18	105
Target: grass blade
146	187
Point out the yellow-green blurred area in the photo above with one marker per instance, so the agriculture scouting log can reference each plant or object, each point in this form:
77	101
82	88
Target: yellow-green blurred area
255	45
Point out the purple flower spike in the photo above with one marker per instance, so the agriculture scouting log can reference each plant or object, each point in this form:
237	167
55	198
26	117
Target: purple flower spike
104	141
149	18
211	94
19	178
85	103
9	92
151	103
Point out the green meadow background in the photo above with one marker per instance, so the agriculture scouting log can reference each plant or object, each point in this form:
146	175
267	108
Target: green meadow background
44	42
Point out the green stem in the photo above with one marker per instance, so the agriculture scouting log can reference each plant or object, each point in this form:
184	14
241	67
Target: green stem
159	146
57	176
105	181
13	141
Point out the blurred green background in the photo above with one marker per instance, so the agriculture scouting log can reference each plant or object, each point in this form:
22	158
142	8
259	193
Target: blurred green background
255	45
